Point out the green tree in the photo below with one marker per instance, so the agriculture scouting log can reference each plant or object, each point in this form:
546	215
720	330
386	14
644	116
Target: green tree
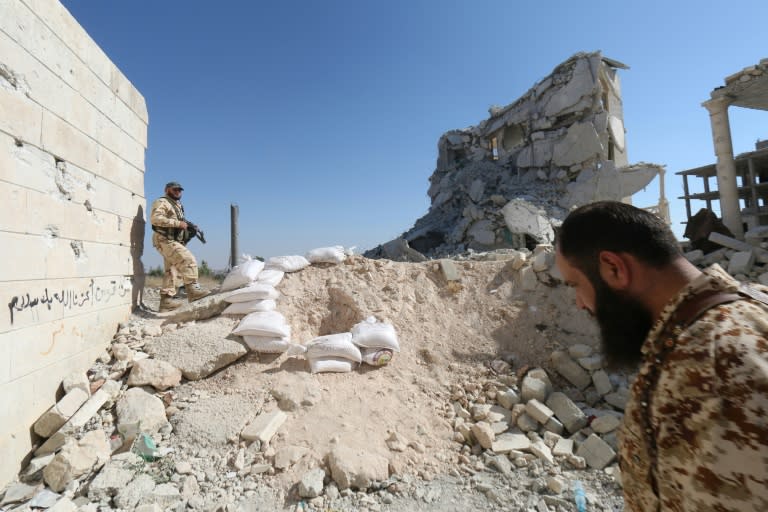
204	269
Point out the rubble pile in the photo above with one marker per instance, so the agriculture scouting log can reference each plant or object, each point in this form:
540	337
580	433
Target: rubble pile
488	404
746	261
505	182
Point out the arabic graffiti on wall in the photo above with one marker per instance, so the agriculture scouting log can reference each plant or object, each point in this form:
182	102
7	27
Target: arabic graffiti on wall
68	298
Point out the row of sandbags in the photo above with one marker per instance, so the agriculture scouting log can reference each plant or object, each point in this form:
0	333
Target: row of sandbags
266	330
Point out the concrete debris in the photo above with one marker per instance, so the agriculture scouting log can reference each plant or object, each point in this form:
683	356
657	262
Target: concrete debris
311	484
53	419
356	469
156	373
138	411
509	181
264	426
75	459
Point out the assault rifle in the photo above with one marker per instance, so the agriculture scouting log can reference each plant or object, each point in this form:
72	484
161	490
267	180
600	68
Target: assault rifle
194	231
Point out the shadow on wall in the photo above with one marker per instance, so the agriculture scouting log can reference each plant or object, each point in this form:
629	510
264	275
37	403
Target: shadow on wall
137	250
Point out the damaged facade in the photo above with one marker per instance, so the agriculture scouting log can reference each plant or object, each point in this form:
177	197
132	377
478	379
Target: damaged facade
504	182
73	133
741	184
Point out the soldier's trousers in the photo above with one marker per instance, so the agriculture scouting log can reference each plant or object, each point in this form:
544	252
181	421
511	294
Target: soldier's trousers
178	260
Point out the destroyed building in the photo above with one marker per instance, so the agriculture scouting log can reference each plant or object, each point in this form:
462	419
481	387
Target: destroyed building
506	181
740	188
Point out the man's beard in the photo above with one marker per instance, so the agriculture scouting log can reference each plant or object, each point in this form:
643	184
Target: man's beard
624	324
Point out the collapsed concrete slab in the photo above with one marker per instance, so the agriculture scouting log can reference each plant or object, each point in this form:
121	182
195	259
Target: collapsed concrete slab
507	181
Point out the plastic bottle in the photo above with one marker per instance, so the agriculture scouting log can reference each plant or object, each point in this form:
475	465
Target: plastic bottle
579	497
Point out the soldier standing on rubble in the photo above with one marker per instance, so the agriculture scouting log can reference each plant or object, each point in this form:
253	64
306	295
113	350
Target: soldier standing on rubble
169	238
695	429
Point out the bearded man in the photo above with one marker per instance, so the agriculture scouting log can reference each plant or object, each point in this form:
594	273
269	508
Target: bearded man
695	430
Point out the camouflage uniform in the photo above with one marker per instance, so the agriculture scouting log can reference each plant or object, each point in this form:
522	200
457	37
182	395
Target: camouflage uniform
177	258
708	413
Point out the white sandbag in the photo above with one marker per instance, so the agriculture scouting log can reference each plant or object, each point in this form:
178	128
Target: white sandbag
371	333
330	364
263	323
377	356
267	344
243	308
334	345
255	291
270	276
287	263
333	254
242	274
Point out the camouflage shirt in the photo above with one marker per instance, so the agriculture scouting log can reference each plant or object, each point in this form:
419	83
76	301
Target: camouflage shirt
709	411
164	215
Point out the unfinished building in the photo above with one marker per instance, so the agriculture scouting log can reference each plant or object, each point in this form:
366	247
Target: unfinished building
502	183
740	188
73	132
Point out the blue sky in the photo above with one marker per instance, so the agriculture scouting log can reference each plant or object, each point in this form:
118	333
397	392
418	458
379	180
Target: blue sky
320	119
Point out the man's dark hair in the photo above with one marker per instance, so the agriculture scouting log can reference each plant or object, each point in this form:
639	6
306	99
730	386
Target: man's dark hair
617	227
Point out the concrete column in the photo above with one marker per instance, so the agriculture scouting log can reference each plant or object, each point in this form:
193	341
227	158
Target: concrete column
726	167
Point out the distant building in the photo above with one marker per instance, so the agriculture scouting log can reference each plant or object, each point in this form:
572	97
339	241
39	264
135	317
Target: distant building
741	186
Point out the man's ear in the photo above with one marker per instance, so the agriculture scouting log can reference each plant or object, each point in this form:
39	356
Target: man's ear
614	269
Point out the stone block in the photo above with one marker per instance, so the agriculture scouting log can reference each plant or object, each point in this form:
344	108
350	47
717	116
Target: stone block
158	374
538	411
569	414
602	382
580	350
508	398
526	423
139	411
358	469
563	447
542	451
58	415
20	116
570	369
533	389
553	425
311	483
506	443
618	398
741	263
110	480
596	452
78	380
449	270
695	257
605	424
484	434
264	426
593	362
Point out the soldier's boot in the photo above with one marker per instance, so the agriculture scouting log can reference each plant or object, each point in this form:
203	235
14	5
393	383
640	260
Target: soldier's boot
196	292
168	303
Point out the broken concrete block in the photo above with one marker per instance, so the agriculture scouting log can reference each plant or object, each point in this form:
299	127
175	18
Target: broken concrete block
694	257
618	398
128	497
264	426
525	218
542	261
528	280
358	469
580	350
505	443
110	480
526	423
74	460
542	451
605	424
570	369
553	425
165	496
311	483
76	380
593	362
153	372
484	434
563	447
19	492
581	143
533	389
596	452
288	456
449	270
106	392
507	398
538	411
741	263
64	505
296	390
53	419
602	382
569	414
138	411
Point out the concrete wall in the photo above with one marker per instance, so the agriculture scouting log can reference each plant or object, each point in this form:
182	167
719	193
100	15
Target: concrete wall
73	132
